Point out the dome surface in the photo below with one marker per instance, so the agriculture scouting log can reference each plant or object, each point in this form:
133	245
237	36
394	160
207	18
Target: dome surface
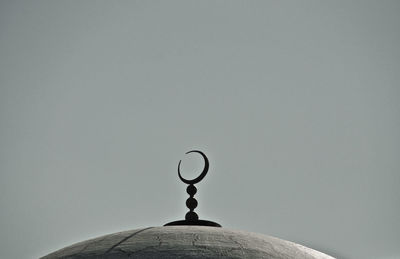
186	242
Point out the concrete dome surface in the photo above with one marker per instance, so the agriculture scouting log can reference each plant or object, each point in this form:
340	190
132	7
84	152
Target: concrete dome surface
186	242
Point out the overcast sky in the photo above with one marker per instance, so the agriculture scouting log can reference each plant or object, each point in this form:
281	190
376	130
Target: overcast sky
296	104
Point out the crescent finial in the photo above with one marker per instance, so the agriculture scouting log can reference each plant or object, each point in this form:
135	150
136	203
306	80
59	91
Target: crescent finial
191	217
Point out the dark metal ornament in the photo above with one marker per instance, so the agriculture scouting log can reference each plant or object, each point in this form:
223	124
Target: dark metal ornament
201	176
191	217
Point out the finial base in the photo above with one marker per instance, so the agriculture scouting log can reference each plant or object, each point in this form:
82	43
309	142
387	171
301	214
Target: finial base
193	223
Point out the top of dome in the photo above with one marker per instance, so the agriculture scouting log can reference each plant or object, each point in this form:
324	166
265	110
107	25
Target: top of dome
188	238
186	242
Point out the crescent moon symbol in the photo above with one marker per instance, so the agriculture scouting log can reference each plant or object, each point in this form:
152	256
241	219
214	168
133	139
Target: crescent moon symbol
201	176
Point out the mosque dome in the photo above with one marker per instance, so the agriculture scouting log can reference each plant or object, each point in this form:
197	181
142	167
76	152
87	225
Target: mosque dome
190	238
195	242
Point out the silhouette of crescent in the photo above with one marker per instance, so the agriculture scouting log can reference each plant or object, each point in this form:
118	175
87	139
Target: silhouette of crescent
201	176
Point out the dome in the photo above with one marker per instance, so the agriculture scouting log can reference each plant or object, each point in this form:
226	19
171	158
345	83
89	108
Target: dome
186	242
188	238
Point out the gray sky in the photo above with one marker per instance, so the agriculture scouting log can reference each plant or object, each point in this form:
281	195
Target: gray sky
296	103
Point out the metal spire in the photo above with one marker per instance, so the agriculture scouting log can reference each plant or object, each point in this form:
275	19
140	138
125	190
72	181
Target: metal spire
191	217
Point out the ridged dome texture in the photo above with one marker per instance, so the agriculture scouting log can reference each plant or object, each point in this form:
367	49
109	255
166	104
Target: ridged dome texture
186	242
